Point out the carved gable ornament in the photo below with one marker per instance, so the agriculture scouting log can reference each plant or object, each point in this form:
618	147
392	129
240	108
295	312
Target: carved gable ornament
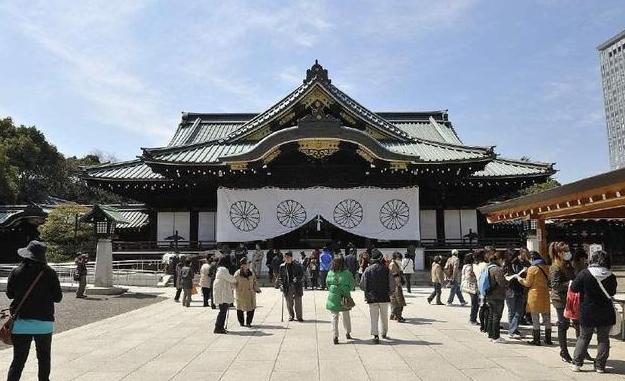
318	149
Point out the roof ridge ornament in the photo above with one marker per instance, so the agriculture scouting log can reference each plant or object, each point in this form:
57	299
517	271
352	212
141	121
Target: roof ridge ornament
317	72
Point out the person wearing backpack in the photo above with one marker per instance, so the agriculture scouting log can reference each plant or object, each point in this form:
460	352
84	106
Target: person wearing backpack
537	281
494	286
597	286
438	277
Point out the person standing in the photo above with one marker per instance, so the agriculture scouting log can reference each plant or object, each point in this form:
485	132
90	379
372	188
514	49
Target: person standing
469	285
246	290
223	292
290	274
257	261
376	284
454	275
515	296
438	277
325	262
398	302
340	282
276	262
561	273
177	279
186	275
407	267
212	272
363	263
537	282
313	267
351	262
35	318
240	253
495	297
306	268
81	274
482	258
597	286
205	280
269	263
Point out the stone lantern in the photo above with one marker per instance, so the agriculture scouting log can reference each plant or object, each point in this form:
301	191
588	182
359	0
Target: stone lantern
104	219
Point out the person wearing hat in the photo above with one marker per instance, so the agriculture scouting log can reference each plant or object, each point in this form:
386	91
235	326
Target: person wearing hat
81	274
290	276
246	290
35	318
454	277
376	284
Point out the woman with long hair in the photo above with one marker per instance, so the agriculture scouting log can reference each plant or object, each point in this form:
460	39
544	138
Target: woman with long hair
561	273
340	282
223	292
469	285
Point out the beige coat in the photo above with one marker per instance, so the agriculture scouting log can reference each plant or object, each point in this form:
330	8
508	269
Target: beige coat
438	276
246	290
397	293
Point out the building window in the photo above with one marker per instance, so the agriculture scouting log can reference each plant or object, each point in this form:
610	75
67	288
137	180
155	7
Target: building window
101	227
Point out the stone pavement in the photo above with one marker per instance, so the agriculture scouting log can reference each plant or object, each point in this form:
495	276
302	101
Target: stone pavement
165	341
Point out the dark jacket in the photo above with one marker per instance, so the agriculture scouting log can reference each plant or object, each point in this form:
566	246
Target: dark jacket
498	283
40	303
559	278
514	267
186	277
295	278
81	268
596	309
352	263
376	283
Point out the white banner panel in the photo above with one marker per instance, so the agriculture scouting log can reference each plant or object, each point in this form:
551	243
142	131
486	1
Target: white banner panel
257	214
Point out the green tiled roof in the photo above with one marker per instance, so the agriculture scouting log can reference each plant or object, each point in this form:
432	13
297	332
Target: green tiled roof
110	212
126	170
430	130
201	132
514	168
135	218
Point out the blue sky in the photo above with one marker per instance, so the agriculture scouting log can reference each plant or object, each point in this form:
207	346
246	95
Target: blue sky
114	76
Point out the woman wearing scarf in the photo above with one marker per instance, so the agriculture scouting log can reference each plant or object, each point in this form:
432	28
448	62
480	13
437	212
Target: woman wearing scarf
537	281
561	273
246	290
597	285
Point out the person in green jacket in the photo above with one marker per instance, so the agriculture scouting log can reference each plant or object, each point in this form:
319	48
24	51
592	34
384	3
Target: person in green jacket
339	282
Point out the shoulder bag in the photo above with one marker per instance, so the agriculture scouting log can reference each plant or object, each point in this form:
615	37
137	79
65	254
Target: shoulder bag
616	328
7	319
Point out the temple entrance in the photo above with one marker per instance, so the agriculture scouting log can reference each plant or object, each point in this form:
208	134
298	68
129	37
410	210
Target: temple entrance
316	234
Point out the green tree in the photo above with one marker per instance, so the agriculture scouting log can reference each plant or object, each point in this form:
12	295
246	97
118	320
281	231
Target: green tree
537	188
64	236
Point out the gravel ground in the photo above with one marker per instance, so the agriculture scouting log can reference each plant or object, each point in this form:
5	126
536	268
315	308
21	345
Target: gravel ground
72	312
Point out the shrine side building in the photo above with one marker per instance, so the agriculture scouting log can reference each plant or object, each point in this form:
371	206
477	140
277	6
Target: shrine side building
314	167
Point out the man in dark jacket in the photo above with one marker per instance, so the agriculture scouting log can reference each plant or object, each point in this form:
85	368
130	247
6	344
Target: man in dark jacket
177	279
352	263
270	254
35	319
376	284
290	275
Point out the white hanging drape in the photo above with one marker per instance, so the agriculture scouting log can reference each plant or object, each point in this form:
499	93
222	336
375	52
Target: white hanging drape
257	214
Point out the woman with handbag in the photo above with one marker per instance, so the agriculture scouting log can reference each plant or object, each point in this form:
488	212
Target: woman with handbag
597	285
468	284
246	290
34	287
340	283
561	273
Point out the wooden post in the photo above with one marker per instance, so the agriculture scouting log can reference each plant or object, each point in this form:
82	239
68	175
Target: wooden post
541	235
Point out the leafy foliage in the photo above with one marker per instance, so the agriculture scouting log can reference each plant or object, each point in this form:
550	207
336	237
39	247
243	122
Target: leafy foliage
541	187
64	235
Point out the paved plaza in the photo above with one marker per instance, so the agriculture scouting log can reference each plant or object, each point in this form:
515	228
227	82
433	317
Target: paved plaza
165	341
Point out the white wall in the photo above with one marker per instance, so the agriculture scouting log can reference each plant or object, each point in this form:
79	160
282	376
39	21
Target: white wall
459	221
428	224
168	222
206	226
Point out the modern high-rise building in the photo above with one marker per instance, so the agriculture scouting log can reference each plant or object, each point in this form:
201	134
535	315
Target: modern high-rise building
612	55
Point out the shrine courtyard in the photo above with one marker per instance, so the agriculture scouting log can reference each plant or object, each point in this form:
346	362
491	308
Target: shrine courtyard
164	341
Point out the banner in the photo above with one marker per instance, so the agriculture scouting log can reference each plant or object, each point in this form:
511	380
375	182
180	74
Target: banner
245	215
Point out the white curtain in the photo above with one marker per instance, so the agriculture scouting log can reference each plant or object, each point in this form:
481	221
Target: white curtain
257	214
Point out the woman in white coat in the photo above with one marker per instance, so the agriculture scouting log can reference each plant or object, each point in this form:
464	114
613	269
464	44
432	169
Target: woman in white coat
407	268
223	294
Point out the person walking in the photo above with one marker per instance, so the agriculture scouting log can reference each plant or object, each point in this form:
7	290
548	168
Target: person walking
325	262
34	313
454	276
186	275
407	268
257	261
352	263
340	282
376	284
537	281
495	297
81	274
397	292
290	274
246	290
469	285
515	295
597	286
438	277
223	292
205	280
177	279
561	273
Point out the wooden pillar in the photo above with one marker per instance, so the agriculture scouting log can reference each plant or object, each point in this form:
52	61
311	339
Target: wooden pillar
541	235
